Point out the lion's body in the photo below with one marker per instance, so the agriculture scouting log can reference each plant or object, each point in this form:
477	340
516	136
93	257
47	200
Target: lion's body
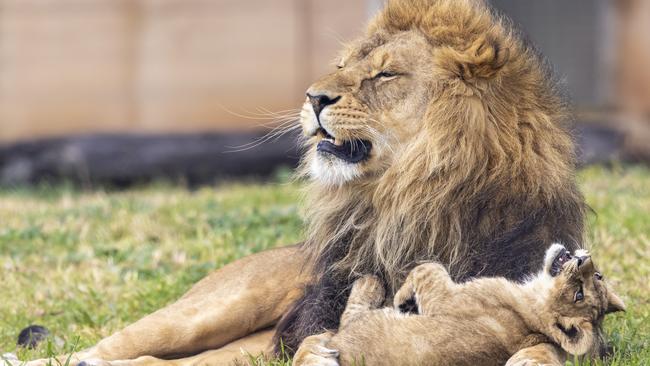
483	182
441	137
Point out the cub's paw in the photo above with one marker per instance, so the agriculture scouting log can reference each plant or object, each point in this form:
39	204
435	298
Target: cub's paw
421	281
531	363
404	299
369	290
427	270
314	352
543	354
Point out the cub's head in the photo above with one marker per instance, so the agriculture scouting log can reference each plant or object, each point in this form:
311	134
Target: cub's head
578	300
435	85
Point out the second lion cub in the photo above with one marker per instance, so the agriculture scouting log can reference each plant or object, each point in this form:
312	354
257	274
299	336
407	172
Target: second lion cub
486	321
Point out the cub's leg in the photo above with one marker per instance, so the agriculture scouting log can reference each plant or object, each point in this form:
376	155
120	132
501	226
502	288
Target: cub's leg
426	284
367	294
235	301
543	354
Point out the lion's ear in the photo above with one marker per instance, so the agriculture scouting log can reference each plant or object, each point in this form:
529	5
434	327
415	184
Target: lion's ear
481	60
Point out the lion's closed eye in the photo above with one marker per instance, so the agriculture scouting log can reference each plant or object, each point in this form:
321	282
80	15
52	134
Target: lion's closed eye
386	75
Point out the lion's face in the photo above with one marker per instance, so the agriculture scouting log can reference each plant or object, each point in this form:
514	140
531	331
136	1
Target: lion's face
440	135
357	117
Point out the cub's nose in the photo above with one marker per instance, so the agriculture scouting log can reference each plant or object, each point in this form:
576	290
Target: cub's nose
320	101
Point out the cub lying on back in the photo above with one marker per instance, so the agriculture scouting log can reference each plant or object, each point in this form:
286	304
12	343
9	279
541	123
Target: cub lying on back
481	322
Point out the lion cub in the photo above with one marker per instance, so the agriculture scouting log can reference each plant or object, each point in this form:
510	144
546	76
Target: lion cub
481	322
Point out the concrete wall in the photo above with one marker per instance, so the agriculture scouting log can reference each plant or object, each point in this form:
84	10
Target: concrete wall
83	66
575	36
86	66
633	48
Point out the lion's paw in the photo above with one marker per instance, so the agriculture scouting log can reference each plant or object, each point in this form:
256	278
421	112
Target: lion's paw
9	359
314	352
43	362
95	362
318	356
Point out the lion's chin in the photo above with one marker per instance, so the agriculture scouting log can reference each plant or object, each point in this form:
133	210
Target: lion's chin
332	171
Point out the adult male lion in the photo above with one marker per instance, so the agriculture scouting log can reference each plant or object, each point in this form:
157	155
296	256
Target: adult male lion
440	136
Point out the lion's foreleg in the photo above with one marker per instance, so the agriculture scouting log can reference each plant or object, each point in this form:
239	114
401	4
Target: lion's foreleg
367	293
244	351
235	301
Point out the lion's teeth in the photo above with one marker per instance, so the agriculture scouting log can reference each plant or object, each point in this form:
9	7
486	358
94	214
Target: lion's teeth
328	140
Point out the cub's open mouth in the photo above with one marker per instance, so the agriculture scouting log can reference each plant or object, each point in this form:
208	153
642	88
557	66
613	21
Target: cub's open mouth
562	257
351	152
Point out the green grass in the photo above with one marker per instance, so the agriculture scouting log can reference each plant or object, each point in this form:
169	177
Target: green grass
85	264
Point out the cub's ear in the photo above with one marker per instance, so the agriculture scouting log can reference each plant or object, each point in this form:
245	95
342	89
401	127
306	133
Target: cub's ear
614	303
482	60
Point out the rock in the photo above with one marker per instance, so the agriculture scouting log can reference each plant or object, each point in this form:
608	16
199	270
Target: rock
31	336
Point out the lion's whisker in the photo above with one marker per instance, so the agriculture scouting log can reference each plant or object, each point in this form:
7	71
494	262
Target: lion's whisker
271	136
267	116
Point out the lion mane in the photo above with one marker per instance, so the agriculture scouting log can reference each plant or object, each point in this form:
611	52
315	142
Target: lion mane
485	188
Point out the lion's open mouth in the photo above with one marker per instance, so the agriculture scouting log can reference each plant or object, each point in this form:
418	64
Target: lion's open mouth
351	152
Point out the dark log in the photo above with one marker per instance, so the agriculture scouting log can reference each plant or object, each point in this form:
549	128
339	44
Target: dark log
598	144
121	160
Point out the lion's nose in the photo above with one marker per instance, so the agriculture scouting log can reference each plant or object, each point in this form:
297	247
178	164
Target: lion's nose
320	101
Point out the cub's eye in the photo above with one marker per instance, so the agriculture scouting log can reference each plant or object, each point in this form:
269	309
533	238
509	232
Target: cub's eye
385	75
598	276
579	296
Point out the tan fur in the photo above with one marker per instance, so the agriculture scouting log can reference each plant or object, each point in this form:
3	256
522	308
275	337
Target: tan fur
481	322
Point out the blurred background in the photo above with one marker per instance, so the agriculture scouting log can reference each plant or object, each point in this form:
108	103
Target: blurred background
126	91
